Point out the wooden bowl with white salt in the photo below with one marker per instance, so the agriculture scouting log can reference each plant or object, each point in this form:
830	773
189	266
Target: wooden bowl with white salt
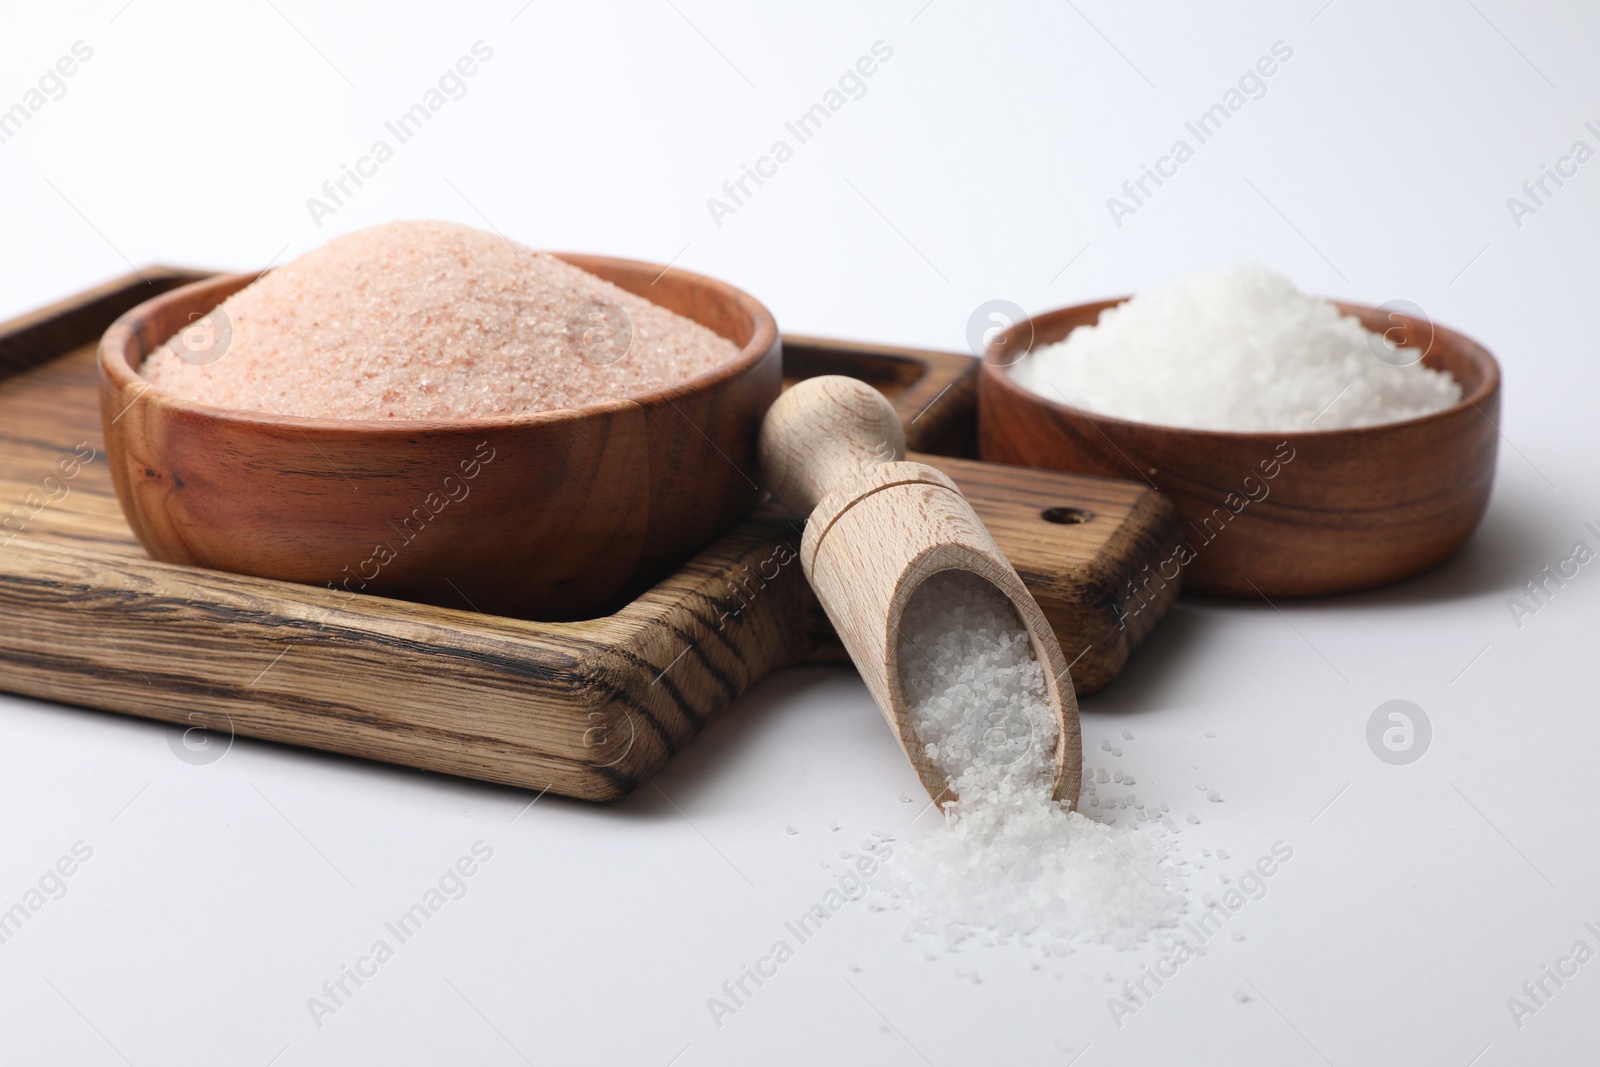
545	514
1274	514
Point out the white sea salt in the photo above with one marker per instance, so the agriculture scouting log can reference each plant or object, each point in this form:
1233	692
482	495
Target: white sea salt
1238	348
1008	860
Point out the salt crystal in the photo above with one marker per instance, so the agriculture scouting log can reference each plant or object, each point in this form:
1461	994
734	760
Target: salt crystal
1222	853
1238	348
1007	859
1192	817
1211	733
790	830
1214	796
1127	735
433	320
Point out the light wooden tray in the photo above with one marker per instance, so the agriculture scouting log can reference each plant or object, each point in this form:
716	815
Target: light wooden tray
586	709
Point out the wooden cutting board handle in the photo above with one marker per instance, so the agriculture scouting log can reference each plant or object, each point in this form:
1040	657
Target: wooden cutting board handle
832	449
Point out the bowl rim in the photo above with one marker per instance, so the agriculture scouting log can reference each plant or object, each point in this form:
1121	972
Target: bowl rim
111	351
999	374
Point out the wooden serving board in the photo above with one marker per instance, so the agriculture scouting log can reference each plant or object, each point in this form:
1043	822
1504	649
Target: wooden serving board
587	709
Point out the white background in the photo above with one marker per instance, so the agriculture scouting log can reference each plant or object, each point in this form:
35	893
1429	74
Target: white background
977	165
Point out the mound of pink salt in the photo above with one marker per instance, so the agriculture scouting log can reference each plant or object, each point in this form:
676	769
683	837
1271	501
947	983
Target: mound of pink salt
430	320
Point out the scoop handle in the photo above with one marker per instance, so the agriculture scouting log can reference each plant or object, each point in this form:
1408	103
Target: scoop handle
822	434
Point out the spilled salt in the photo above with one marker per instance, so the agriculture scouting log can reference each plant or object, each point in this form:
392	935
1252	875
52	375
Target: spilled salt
430	320
1008	860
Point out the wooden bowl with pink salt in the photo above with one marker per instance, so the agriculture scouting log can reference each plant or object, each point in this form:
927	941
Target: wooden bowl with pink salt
427	412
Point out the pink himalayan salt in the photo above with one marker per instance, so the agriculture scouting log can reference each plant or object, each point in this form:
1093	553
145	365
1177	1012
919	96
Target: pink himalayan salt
428	320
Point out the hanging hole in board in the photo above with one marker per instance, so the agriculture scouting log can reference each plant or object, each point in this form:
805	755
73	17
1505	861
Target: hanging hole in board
1066	516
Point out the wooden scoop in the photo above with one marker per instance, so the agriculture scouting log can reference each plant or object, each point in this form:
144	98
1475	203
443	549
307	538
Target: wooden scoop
832	448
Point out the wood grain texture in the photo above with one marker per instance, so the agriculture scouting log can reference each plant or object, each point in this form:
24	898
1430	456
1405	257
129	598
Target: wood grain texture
832	448
588	709
551	514
1280	514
